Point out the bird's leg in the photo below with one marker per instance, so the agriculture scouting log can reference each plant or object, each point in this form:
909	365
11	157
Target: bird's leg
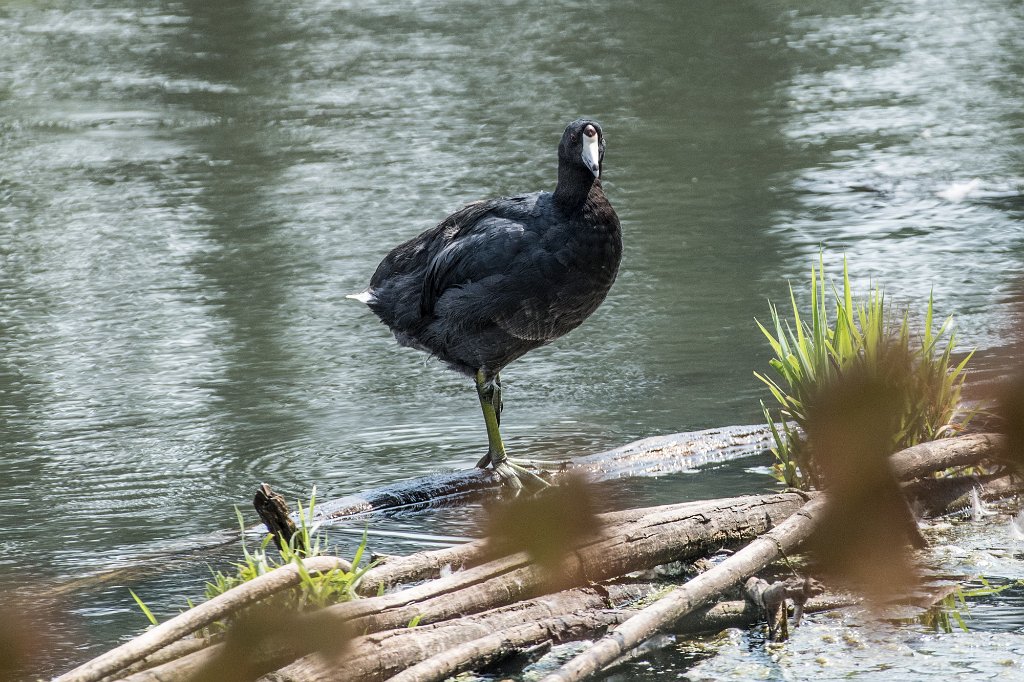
517	461
496	398
511	474
485	392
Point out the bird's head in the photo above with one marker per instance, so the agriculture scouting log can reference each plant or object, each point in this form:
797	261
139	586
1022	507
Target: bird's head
583	144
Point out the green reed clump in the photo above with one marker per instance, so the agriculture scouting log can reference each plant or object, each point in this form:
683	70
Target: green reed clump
314	590
843	335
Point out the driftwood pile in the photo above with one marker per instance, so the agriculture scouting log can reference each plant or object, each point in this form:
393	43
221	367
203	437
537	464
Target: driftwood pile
473	609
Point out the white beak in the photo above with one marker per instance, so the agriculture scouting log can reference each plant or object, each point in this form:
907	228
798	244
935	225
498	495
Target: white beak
592	155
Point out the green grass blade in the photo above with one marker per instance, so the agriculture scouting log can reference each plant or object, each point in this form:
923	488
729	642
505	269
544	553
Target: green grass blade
145	609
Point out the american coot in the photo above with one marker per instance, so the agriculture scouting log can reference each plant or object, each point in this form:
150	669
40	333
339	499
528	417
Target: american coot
501	277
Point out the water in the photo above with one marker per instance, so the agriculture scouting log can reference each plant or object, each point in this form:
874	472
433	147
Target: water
188	190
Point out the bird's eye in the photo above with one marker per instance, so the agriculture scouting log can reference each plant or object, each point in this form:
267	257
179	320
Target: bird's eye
589	131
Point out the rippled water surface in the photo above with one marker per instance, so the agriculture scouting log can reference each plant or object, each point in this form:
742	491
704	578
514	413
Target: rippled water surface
189	189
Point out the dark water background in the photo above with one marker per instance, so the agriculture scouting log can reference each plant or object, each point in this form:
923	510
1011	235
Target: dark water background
189	189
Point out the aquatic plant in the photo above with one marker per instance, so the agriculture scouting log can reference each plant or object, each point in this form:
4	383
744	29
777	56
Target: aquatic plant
954	609
314	590
811	358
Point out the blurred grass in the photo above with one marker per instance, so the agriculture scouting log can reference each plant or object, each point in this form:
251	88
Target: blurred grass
548	525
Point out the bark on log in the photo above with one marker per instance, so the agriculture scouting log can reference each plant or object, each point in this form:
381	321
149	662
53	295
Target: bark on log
425	565
671	533
472	641
937	455
492	647
381	655
171	652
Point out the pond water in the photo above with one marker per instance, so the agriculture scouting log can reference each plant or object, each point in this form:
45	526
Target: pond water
189	189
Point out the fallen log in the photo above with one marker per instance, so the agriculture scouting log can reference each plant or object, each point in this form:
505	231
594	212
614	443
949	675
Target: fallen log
694	594
913	462
382	655
634	539
395	570
948	453
171	652
199	617
655	456
499	644
422	565
669	533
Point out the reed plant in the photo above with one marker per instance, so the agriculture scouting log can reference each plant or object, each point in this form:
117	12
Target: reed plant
315	590
843	335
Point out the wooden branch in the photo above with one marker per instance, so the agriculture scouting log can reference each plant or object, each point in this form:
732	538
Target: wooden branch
495	646
695	593
472	641
424	565
171	652
669	533
913	462
379	656
199	617
499	644
633	540
420	566
937	455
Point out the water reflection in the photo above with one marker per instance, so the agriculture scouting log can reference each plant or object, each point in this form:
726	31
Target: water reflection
899	103
189	189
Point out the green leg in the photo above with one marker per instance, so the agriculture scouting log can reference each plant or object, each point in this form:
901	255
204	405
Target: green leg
496	398
514	476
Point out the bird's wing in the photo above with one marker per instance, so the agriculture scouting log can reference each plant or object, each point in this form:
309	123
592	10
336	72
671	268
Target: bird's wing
480	240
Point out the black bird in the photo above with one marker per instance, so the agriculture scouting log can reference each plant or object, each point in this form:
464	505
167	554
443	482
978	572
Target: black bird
503	276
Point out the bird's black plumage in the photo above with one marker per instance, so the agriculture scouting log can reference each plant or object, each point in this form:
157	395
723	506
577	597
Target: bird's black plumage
501	277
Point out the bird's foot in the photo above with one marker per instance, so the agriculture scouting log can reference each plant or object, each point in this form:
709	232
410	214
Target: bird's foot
513	474
540	464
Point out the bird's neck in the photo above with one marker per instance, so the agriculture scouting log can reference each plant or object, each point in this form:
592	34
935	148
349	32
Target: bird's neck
574	185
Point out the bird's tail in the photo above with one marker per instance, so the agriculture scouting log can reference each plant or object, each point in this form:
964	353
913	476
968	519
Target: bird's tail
363	297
